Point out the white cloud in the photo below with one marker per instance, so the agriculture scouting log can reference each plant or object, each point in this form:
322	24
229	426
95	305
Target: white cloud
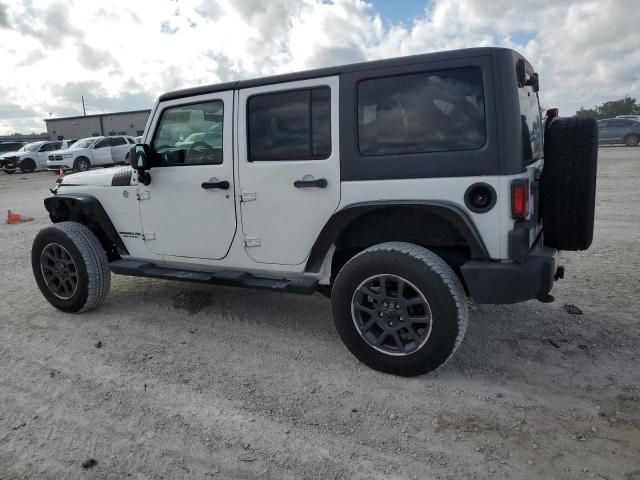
123	55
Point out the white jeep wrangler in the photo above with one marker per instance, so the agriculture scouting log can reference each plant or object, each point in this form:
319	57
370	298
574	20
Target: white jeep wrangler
399	188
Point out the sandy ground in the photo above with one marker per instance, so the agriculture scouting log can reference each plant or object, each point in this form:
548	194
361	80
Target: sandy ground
209	382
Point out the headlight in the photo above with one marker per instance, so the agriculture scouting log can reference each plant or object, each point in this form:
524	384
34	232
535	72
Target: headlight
67	155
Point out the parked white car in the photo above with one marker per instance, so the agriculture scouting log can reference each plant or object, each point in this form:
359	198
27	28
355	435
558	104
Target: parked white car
13	153
91	152
31	157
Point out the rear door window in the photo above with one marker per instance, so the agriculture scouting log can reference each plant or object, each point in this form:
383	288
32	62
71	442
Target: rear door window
291	125
422	112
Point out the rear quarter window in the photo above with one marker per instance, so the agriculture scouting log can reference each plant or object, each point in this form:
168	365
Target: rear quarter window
422	112
531	122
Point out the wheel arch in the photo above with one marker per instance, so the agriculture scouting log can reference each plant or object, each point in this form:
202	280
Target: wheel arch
345	227
88	211
629	135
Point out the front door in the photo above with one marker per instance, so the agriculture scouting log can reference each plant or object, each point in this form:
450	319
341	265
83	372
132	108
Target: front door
101	152
119	149
188	209
289	171
44	151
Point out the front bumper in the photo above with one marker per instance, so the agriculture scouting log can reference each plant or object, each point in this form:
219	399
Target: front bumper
10	164
57	165
494	282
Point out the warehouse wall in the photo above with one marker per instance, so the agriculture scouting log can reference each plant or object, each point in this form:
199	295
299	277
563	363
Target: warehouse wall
125	123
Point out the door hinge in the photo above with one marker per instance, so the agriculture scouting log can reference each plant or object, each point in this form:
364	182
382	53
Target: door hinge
148	235
247	196
143	194
251	241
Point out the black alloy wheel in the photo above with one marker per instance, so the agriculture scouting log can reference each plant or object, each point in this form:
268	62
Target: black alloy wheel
59	271
391	314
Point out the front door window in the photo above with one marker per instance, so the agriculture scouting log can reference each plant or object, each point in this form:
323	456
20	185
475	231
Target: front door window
190	135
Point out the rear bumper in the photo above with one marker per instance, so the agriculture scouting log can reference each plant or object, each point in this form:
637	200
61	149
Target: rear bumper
493	282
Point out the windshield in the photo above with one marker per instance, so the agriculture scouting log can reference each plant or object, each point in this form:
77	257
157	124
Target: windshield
86	142
32	146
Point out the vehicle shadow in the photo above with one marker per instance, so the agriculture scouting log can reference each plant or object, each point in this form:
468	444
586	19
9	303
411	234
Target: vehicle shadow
533	342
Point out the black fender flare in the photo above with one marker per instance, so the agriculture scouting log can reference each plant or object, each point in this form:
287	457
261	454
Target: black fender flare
89	211
341	219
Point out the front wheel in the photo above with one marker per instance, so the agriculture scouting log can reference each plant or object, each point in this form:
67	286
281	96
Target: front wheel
81	165
27	165
632	140
70	267
399	308
9	172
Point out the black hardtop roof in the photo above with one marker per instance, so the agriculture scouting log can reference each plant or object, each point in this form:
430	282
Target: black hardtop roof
330	71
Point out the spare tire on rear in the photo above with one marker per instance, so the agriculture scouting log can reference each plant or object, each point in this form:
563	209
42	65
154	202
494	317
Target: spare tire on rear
569	183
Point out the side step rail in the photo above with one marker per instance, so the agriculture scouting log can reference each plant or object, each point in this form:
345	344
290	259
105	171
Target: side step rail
301	285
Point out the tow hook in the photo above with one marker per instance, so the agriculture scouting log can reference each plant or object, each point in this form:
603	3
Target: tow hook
559	273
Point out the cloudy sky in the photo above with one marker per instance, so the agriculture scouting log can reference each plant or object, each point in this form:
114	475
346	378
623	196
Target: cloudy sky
123	54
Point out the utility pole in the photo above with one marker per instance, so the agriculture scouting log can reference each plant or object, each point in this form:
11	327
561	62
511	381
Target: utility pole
83	109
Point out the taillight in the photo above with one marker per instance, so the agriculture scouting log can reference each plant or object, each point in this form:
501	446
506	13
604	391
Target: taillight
552	113
520	198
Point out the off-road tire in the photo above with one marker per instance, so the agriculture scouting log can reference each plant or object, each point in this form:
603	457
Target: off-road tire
91	265
569	183
28	165
81	159
632	140
434	279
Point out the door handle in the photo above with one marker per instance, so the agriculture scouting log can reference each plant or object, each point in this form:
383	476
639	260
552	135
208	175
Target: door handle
319	183
223	185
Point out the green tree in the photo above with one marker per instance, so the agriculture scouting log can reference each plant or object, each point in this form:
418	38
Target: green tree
612	108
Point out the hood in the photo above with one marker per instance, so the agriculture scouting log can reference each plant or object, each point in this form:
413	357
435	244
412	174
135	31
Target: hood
102	177
10	154
67	150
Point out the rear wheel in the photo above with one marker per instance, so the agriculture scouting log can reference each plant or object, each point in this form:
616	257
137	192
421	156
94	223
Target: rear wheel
70	267
632	140
27	165
399	308
9	172
81	164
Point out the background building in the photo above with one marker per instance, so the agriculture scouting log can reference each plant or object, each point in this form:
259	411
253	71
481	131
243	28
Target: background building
117	123
33	137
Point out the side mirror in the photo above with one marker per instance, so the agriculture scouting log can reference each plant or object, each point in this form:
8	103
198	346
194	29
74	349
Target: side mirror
139	157
534	81
140	160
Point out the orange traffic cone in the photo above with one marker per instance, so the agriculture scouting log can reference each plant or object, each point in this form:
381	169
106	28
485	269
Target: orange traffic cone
17	218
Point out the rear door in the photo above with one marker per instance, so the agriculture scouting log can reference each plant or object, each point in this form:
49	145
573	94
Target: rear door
288	166
619	128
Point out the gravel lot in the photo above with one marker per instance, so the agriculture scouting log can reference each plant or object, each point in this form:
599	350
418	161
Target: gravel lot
210	382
